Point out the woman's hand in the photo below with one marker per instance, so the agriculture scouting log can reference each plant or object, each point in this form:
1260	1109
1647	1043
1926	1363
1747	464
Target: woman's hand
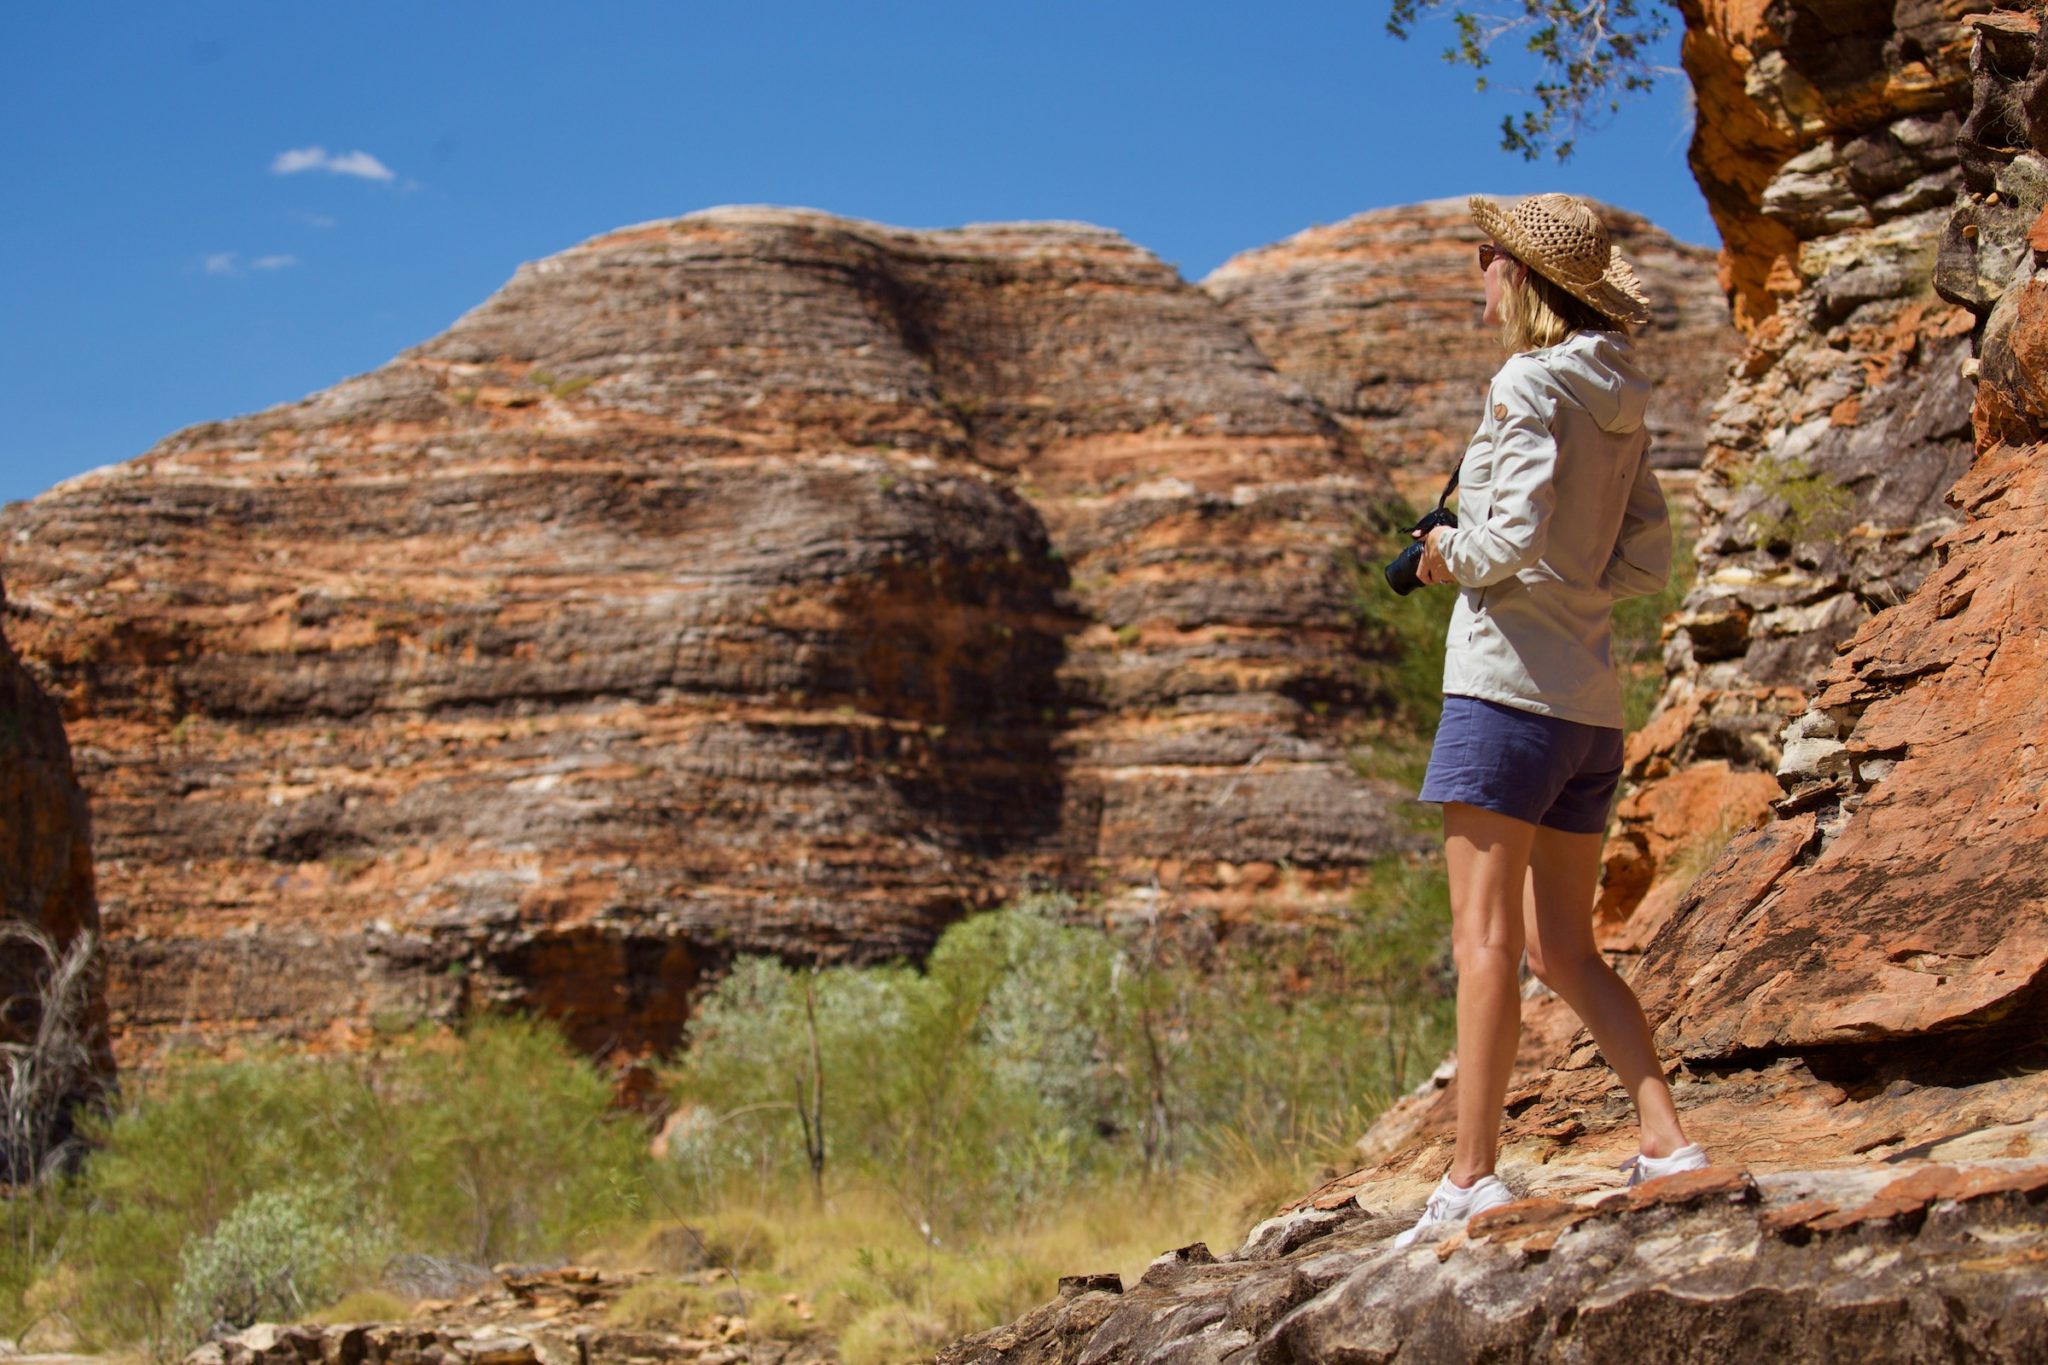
1433	569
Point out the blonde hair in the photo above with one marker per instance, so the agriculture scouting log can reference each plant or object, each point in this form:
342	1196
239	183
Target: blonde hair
1535	313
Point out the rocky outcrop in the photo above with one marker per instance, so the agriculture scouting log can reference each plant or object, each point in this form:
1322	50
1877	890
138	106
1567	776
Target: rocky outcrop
753	581
526	1316
1826	145
757	580
46	881
1940	1262
1378	317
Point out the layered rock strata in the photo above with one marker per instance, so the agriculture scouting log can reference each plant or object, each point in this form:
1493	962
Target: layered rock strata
753	581
1940	1262
1378	317
1826	145
47	900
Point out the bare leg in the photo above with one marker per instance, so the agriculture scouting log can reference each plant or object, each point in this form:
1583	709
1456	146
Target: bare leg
1564	872
1488	858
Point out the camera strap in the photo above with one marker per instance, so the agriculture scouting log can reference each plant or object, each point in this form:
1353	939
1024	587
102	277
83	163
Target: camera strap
1452	486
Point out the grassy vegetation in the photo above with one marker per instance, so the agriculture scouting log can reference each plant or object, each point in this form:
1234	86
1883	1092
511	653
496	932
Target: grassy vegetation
270	1187
1032	1055
1039	1097
1798	502
1639	634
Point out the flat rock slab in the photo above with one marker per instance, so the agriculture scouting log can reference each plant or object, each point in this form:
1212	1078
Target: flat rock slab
1933	1262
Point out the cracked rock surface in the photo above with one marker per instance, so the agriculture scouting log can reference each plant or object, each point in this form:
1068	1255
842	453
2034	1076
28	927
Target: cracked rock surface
1933	1263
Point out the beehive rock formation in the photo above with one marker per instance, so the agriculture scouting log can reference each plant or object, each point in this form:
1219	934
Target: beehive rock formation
755	581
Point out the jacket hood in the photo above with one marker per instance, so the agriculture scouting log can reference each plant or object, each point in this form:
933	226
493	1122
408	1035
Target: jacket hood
1599	370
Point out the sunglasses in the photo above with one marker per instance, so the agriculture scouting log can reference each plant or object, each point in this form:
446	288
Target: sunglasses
1488	254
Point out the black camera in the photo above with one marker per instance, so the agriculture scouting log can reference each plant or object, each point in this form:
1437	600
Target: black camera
1402	573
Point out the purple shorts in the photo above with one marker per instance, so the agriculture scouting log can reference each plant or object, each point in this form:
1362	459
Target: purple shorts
1556	773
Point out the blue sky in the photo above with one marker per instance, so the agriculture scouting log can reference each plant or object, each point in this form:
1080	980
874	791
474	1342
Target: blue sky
218	206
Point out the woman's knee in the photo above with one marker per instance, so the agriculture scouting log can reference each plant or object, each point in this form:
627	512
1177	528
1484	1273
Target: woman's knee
1486	947
1564	973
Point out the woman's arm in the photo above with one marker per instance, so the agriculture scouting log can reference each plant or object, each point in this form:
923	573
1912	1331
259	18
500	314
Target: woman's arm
1641	563
1522	492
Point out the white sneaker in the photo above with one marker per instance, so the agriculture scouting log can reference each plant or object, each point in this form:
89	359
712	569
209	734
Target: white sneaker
1454	1204
1691	1157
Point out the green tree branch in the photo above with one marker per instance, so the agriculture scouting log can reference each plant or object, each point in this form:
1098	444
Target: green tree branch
1591	55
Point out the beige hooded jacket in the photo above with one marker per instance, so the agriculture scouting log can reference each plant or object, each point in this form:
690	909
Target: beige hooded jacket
1558	516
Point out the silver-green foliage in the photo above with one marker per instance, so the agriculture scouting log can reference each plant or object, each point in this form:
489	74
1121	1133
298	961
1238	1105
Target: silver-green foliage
501	1144
963	1088
1032	1052
273	1256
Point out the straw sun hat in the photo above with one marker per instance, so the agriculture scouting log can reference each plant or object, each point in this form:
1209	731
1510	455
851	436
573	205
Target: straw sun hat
1564	241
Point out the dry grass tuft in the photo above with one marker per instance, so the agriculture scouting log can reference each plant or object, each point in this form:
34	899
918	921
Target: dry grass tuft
366	1305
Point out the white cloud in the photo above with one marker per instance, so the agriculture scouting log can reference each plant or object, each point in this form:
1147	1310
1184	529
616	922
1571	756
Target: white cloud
229	264
362	164
321	220
304	159
356	163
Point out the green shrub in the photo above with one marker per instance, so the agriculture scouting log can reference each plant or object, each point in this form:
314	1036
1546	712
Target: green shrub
501	1144
1405	636
1639	635
511	1147
967	1088
273	1256
188	1149
1404	640
1032	1055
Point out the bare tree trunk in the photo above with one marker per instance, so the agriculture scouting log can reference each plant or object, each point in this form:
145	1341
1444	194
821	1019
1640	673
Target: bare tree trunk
42	1074
811	1113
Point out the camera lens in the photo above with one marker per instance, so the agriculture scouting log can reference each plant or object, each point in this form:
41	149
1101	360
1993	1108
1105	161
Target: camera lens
1404	574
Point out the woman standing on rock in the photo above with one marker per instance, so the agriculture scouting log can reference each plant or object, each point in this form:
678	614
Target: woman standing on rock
1559	516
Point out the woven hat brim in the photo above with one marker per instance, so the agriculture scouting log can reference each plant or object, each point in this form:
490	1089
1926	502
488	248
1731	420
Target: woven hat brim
1617	294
